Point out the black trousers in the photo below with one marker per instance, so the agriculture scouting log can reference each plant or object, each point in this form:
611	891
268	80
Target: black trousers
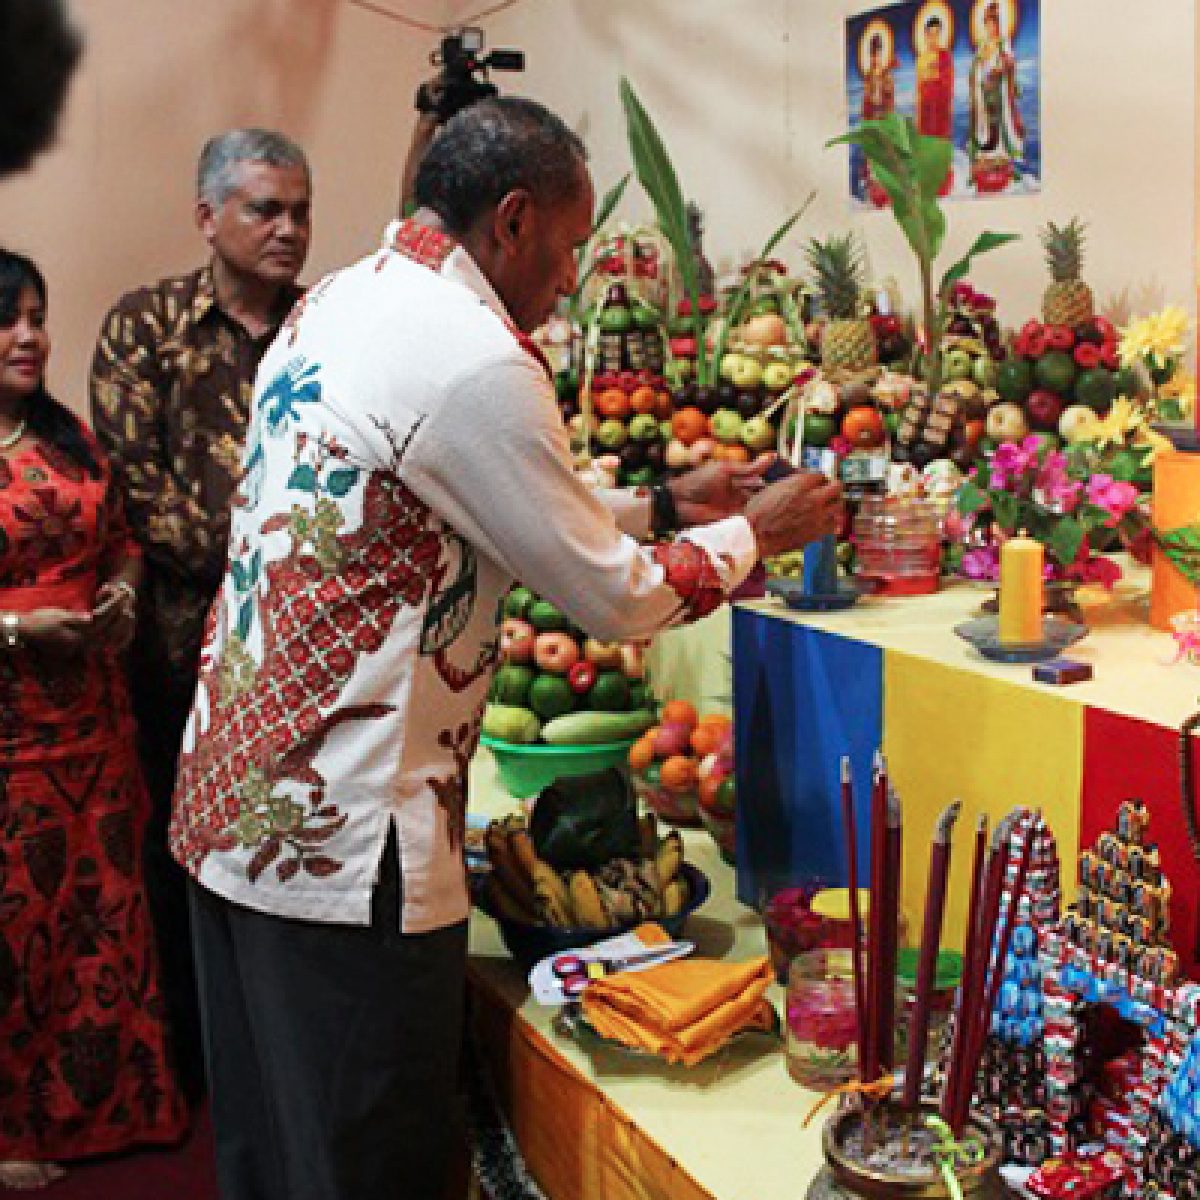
161	708
332	1050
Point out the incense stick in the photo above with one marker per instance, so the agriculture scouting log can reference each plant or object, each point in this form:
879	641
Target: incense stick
860	1000
887	968
931	938
875	916
967	985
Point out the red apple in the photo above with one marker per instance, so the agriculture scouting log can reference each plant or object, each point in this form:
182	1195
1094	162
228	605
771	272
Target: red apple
1044	408
672	739
555	652
516	640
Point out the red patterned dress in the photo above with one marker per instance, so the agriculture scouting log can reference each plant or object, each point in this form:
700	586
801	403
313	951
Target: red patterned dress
83	1062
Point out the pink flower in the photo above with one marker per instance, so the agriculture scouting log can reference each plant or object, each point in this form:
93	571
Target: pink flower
1013	460
981	563
1054	488
1115	497
841	446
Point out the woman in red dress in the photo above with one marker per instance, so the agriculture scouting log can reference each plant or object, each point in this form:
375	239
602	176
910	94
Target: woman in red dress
83	1057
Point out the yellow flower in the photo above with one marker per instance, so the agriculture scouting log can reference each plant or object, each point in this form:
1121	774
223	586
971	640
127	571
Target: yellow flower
1160	335
1181	388
1124	419
1154	442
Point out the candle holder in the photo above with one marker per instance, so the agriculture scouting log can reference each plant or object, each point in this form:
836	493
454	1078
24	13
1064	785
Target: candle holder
821	589
1057	634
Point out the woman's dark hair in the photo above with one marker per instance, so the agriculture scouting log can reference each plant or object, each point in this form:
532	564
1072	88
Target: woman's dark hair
492	148
51	421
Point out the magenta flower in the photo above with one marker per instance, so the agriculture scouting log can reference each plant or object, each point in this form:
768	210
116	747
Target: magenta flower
1054	488
841	446
1011	461
981	563
1099	570
1114	496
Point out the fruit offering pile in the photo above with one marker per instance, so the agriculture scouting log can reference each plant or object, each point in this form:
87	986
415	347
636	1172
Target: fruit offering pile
559	686
735	420
622	892
683	769
1059	381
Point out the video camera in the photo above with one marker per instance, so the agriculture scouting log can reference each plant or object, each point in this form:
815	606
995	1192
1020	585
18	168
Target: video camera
463	80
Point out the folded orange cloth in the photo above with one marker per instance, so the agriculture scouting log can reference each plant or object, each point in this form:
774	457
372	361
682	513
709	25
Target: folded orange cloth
683	1010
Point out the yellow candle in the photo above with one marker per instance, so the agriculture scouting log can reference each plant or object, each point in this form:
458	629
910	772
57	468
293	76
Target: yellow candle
1021	563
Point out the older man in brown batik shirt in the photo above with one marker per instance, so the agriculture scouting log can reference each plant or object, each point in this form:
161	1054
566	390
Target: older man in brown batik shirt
171	384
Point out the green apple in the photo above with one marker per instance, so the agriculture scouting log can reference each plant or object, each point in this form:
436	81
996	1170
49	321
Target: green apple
1078	424
758	434
776	376
725	425
644	428
612	434
729	364
746	374
819	429
666	430
957	364
1006	423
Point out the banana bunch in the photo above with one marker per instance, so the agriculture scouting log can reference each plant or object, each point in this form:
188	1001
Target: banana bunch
522	887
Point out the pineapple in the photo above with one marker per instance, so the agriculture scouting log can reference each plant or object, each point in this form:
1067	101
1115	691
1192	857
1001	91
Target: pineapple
1068	300
848	341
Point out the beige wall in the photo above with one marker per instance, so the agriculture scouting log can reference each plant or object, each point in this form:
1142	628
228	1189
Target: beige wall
111	206
747	91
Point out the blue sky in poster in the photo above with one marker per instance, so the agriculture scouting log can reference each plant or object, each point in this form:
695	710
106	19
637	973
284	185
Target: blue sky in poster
901	18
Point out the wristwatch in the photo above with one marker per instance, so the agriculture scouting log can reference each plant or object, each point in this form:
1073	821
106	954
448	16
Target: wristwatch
664	517
10	630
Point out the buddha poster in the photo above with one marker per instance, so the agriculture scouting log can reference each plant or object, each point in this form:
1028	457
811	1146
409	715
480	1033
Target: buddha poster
965	70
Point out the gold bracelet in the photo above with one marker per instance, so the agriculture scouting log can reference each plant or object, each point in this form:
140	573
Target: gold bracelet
10	630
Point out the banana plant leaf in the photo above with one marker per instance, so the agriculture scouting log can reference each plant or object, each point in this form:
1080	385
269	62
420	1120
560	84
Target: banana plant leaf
656	174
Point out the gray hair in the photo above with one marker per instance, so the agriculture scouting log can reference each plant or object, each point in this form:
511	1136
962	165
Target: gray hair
217	172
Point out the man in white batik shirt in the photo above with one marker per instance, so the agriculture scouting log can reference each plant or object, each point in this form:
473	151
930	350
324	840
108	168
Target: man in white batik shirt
405	463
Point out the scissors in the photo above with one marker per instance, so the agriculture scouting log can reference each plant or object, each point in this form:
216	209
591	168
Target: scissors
574	972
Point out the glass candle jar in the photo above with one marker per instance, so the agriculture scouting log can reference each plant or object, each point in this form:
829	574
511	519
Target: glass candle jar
947	977
898	544
821	1025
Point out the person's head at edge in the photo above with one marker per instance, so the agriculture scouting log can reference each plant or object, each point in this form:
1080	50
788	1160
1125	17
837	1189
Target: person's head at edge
510	181
39	47
24	351
253	206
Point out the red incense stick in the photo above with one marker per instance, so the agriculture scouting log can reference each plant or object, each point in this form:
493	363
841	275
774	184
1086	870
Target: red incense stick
931	939
891	918
996	975
964	1080
968	984
860	1000
875	917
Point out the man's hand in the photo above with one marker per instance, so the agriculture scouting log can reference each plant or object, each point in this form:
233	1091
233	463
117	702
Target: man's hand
717	490
794	511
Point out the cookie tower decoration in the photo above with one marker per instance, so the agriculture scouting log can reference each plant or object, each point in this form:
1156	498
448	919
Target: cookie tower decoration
1120	1027
1011	1087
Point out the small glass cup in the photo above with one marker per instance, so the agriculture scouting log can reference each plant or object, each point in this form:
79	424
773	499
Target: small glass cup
822	1048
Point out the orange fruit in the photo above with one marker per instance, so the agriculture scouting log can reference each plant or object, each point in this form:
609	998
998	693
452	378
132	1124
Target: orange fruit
689	425
612	402
679	712
663	408
678	773
973	431
643	400
641	754
706	791
707	739
723	720
863	426
735	452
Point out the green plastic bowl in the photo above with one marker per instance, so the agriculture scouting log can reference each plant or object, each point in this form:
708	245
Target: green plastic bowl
527	769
